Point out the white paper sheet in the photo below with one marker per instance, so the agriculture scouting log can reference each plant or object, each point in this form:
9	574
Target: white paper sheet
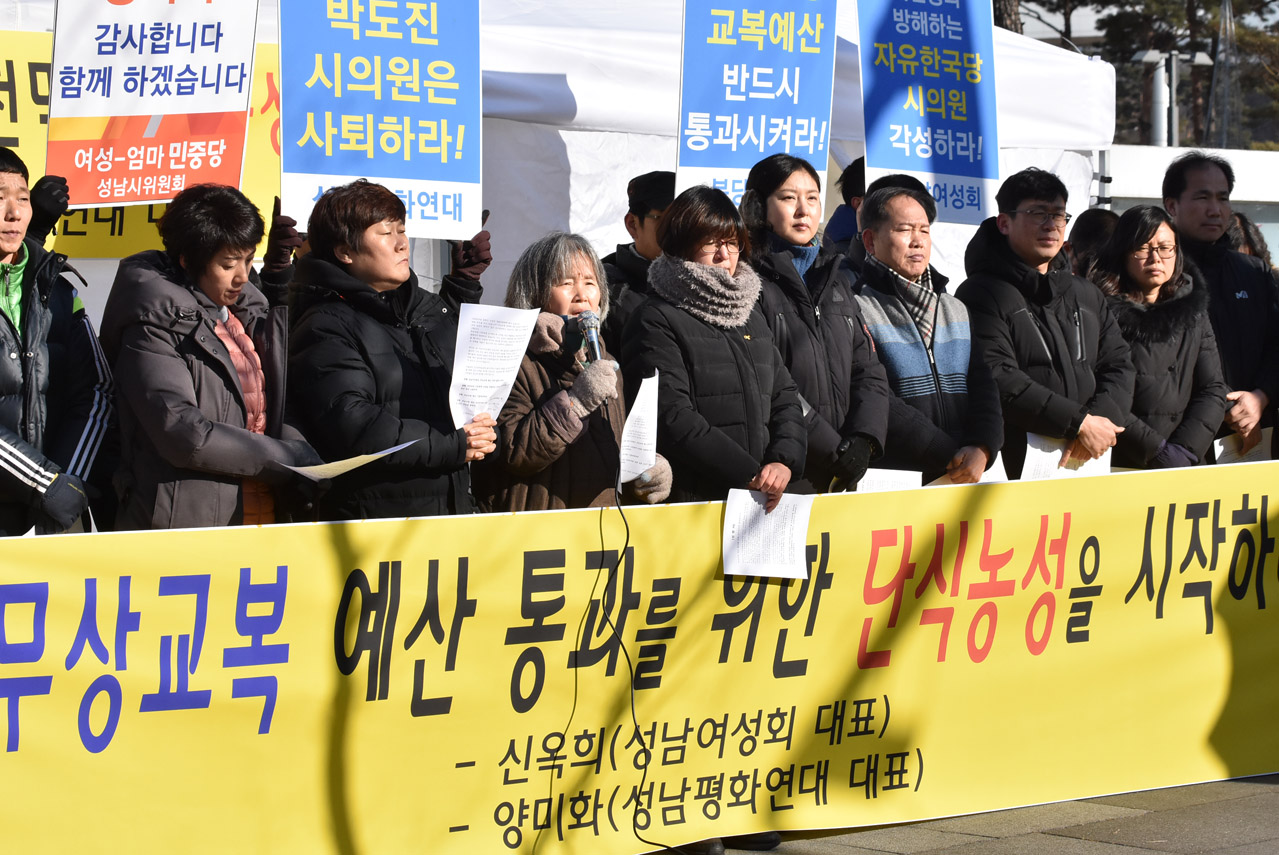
639	434
759	544
491	341
887	480
1043	459
321	471
994	475
1227	448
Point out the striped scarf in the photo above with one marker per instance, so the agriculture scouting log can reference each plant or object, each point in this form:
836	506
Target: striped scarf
919	298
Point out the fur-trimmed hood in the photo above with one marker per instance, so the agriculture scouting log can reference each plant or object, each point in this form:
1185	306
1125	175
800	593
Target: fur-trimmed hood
1150	324
706	292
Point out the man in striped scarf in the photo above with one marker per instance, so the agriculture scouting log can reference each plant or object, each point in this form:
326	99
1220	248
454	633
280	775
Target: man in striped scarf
944	417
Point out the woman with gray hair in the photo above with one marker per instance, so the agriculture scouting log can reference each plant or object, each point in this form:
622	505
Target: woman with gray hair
561	429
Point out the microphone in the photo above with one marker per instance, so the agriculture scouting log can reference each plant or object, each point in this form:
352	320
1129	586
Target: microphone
588	323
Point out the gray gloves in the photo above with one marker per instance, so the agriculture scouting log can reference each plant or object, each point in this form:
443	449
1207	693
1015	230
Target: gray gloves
548	334
653	484
596	384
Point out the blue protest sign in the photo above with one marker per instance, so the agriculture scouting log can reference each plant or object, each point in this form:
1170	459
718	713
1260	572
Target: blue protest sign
387	90
756	80
928	95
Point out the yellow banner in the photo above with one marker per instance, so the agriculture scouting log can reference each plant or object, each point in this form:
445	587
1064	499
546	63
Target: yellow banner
119	231
483	684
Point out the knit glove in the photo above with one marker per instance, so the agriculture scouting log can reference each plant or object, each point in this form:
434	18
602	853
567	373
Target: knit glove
596	384
653	485
281	241
64	500
852	457
548	334
1171	456
472	257
50	198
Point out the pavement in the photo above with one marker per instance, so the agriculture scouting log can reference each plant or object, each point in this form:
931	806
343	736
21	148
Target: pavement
1222	818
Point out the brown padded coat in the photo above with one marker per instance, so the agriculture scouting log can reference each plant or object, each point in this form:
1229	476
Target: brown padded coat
547	458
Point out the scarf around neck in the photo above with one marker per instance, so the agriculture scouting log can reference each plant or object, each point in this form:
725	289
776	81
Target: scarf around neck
706	292
919	297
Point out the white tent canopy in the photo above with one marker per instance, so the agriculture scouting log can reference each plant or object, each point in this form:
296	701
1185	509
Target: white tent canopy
580	96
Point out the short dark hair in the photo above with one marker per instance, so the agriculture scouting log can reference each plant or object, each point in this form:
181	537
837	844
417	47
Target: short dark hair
1175	176
1135	227
874	210
1089	234
897	179
697	215
11	163
1032	183
205	219
342	215
652	191
852	181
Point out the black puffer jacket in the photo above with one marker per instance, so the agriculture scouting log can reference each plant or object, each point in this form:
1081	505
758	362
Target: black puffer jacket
185	449
1244	315
726	404
823	341
627	273
1050	340
1180	395
369	371
55	392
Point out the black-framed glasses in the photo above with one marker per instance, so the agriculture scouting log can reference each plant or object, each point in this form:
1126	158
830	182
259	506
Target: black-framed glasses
1163	250
1039	217
710	247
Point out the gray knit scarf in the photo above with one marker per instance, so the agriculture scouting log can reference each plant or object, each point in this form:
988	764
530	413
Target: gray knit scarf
706	292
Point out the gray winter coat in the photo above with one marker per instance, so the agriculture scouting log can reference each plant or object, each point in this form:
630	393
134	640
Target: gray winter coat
185	447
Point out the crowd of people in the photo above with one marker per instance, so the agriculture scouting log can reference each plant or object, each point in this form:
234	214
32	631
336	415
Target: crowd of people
789	360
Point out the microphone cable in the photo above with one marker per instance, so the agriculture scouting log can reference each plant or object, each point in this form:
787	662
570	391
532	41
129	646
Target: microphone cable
630	666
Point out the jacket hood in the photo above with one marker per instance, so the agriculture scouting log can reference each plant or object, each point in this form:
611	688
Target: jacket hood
150	288
989	254
316	282
1148	324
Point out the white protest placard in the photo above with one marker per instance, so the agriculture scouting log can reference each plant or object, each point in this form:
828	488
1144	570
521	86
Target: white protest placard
1043	460
491	341
773	544
146	99
639	434
1230	449
322	471
888	480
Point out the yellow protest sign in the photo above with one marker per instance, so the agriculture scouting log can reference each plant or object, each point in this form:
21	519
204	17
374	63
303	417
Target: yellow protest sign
553	683
119	231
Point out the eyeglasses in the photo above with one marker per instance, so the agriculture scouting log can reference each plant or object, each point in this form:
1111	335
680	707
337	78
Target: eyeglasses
1164	250
712	246
1039	218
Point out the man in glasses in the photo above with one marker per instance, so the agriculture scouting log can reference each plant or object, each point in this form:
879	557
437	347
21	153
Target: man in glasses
1062	367
1196	191
647	198
944	416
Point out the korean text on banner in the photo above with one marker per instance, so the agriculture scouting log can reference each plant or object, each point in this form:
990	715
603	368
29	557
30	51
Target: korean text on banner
928	93
307	689
148	97
117	231
756	80
388	91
